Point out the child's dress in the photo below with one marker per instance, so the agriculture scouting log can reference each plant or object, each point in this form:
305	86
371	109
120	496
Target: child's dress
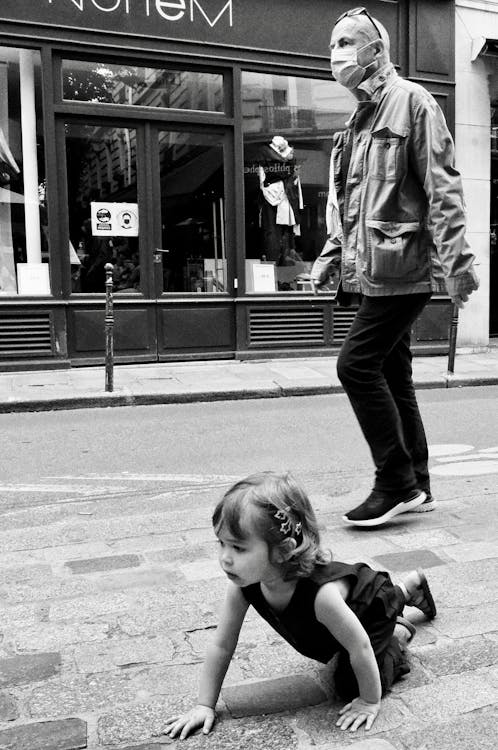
374	599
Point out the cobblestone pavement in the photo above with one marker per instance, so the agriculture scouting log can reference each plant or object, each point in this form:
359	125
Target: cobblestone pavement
109	593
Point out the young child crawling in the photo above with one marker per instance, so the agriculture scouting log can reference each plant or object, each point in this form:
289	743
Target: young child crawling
269	549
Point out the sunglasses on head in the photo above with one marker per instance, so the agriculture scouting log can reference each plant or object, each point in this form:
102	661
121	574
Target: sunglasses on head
359	12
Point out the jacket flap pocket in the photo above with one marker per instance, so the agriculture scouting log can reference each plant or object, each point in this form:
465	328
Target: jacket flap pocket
393	228
386	132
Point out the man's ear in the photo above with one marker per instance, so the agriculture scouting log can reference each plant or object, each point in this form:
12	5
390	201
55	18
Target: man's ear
379	47
285	550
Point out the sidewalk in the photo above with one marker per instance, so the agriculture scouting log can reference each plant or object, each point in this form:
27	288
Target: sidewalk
180	382
109	599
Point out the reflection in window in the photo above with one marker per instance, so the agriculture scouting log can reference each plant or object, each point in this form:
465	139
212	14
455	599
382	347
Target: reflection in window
108	83
288	125
192	212
102	205
24	247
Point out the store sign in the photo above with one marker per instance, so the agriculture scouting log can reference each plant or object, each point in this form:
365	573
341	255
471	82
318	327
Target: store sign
167	10
238	24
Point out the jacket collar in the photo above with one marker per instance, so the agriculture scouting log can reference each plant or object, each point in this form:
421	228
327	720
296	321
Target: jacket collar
374	85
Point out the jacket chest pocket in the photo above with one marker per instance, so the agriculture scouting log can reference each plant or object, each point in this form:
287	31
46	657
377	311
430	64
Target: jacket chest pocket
386	156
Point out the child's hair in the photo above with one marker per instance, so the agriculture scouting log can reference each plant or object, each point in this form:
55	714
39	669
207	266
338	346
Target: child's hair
276	508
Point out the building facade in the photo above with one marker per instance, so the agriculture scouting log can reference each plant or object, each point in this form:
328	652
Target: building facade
476	125
186	142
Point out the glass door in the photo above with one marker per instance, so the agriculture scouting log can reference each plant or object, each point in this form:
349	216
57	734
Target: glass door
103	209
192	257
150	199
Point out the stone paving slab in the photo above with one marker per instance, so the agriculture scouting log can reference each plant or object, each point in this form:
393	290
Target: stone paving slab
409	560
67	734
99	564
18	670
122	652
373	744
317	724
452	697
475	730
9	710
465	655
272	695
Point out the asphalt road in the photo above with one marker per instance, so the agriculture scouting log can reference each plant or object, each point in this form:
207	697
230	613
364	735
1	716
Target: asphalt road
306	435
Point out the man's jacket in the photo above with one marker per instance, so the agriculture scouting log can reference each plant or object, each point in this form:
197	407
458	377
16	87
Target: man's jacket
396	216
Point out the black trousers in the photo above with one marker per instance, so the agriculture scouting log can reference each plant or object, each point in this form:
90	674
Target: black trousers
375	369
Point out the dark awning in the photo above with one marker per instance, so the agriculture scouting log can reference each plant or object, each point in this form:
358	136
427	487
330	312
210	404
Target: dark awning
481	45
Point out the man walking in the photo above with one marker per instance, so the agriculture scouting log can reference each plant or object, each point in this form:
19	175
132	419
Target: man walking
396	230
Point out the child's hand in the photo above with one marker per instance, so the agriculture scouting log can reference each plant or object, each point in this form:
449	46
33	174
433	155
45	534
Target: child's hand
199	716
356	713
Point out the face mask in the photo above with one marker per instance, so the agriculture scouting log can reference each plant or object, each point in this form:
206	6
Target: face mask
346	68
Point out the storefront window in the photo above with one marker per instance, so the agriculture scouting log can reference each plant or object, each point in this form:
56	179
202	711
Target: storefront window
192	212
108	83
288	125
102	204
24	250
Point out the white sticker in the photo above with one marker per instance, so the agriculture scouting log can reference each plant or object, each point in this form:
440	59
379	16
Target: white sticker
114	219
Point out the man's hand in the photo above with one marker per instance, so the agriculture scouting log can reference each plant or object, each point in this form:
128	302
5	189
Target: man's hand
316	286
356	713
460	297
459	300
199	716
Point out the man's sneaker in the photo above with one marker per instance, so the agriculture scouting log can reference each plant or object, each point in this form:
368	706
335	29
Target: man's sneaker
379	507
428	504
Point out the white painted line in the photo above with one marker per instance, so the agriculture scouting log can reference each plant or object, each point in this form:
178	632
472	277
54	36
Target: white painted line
449	449
52	488
468	457
191	478
470	469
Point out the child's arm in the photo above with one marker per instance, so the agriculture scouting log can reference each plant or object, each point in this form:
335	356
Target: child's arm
216	663
333	612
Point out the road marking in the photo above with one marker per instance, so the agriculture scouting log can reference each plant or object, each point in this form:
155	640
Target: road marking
53	488
467	457
190	478
471	469
463	460
449	449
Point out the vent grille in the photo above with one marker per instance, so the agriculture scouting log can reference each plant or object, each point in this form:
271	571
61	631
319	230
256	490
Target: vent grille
25	335
342	324
277	327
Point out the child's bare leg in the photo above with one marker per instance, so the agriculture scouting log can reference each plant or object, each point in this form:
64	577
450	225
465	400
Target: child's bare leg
418	594
403	635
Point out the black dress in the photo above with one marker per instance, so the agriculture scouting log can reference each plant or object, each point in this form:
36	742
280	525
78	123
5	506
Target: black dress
374	599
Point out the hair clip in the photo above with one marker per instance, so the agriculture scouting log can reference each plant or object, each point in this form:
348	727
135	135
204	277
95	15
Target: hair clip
286	527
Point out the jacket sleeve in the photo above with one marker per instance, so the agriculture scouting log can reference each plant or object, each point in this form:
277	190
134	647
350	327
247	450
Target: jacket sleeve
432	157
329	259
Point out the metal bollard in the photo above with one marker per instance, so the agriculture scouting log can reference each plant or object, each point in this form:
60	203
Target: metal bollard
452	340
109	329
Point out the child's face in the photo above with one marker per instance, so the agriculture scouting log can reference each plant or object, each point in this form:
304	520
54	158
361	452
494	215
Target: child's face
246	561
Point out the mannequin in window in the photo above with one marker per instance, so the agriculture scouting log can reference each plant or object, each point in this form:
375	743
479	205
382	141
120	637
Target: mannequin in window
280	200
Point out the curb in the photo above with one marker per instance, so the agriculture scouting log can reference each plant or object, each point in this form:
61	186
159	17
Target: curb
127	398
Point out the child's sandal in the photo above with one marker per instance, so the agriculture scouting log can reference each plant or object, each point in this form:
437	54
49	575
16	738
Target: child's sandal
425	602
408	625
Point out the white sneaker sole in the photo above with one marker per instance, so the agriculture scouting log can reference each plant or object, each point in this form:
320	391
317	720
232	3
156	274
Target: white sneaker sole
402	507
425	507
